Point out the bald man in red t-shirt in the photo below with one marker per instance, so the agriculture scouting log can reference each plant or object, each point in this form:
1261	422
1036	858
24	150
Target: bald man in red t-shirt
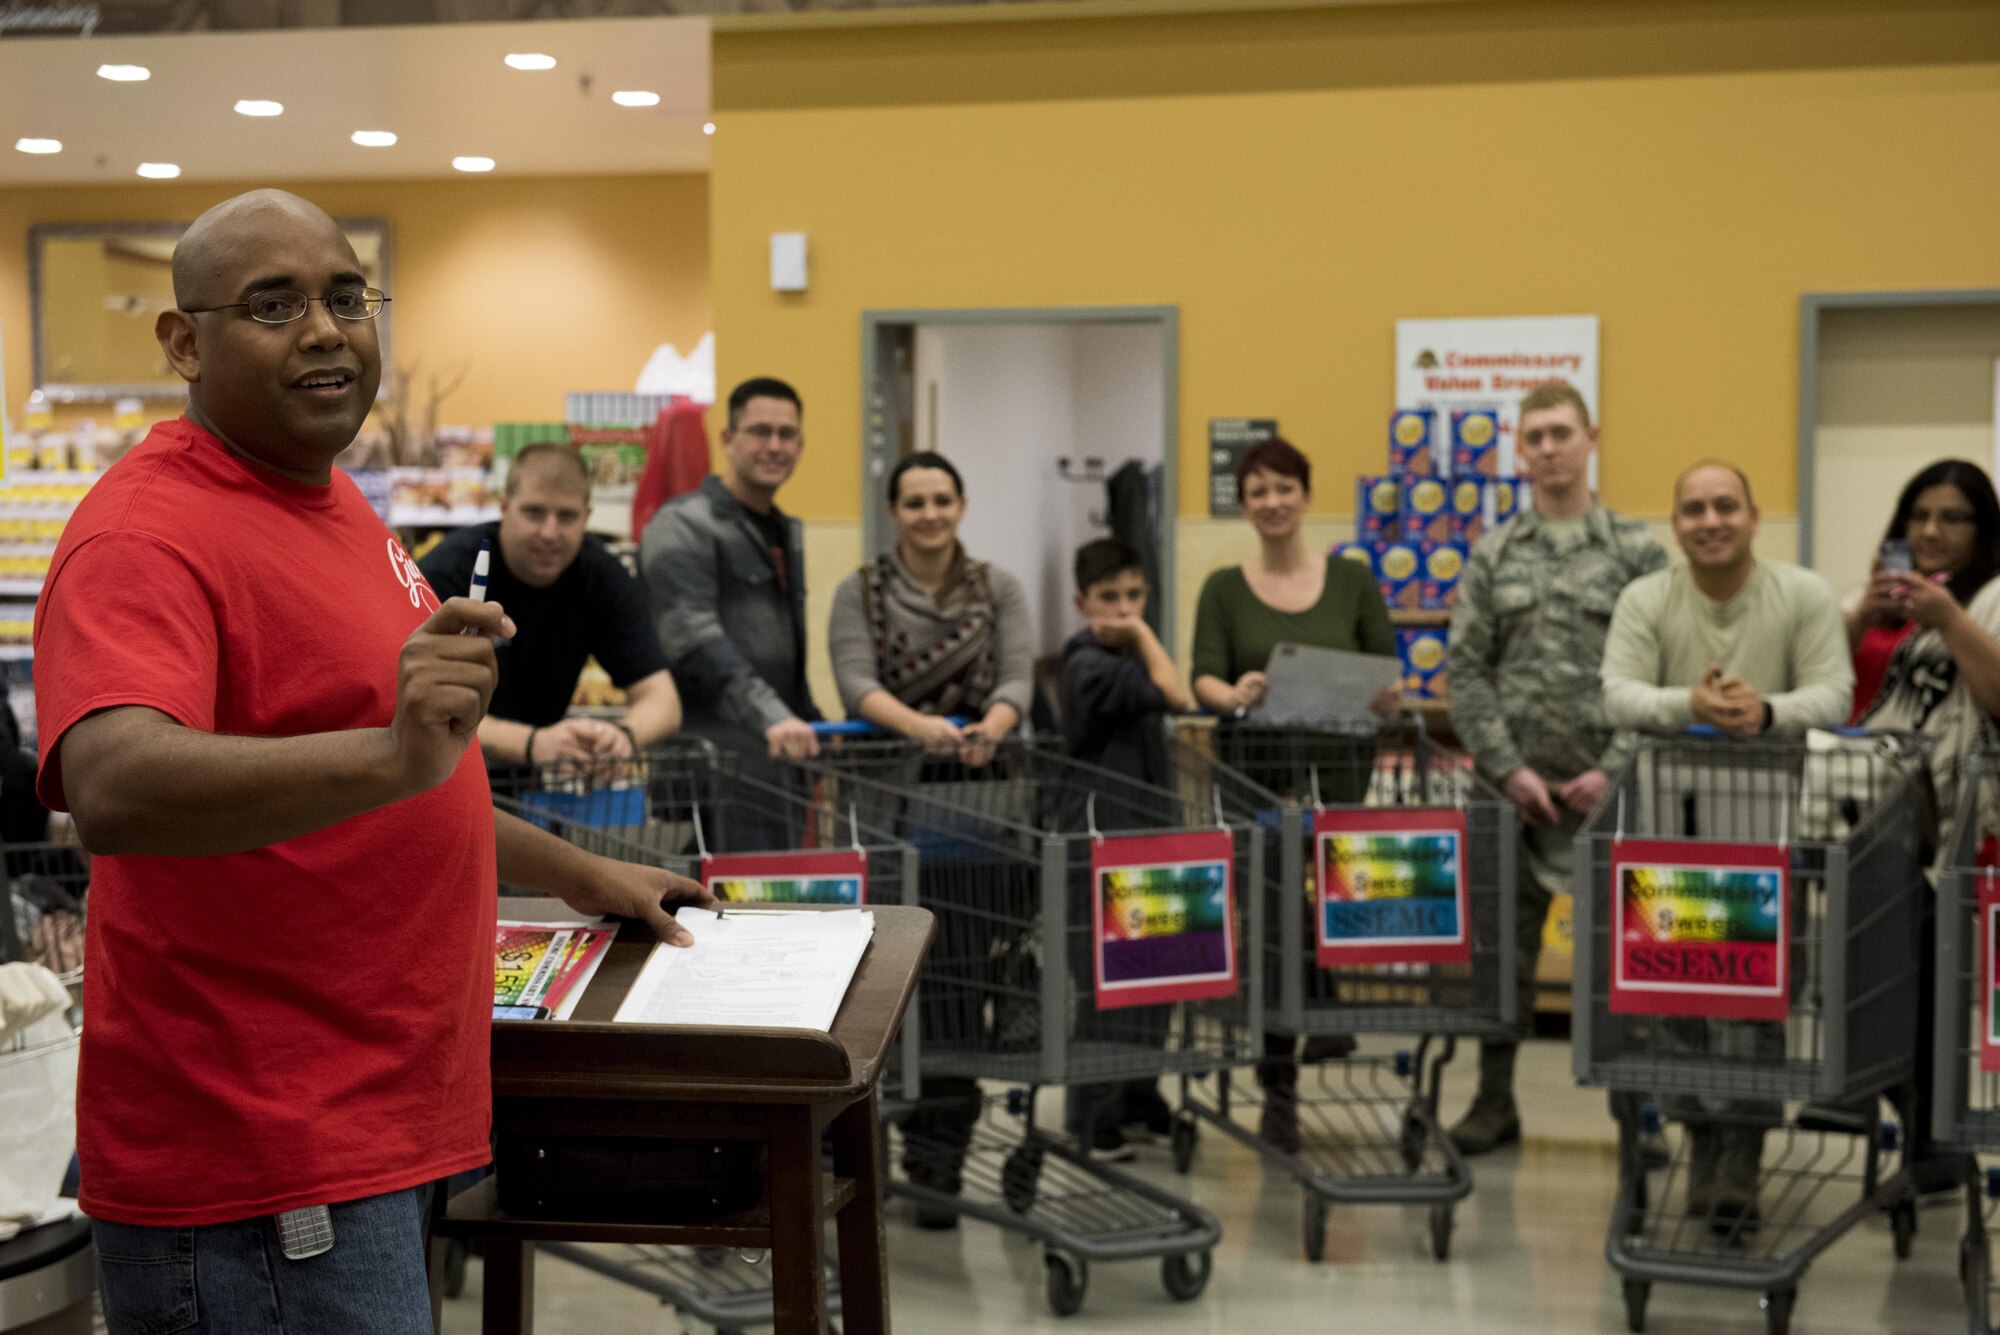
263	722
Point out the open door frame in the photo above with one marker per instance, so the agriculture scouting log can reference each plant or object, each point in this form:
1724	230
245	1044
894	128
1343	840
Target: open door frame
1811	306
887	410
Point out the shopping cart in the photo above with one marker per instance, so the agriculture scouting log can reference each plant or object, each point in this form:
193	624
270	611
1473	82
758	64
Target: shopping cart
1368	1130
1965	1091
1755	1185
668	807
1007	994
42	903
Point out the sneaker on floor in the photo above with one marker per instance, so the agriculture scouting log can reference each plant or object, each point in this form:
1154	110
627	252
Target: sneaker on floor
1279	1124
1327	1048
1487	1125
1110	1146
1151	1116
1942	1170
934	1219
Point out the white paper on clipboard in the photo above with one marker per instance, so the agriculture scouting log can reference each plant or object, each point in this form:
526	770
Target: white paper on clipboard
1313	687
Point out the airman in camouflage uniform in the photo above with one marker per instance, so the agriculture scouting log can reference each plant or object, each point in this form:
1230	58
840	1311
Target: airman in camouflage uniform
1527	639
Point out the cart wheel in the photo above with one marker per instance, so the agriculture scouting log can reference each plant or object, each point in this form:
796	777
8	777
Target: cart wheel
1315	1227
1903	1227
1441	1231
1412	1141
1778	1311
455	1254
1069	1280
1019	1177
1185	1274
1185	1139
1637	1291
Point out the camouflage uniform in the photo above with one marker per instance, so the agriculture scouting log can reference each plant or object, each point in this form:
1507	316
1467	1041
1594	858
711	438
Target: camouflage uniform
1526	643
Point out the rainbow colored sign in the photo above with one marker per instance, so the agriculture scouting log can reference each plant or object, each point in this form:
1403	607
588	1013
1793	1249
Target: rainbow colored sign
838	877
1163	918
1392	887
1699	929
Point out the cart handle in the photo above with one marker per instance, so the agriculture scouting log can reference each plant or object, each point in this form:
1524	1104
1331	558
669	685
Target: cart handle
862	728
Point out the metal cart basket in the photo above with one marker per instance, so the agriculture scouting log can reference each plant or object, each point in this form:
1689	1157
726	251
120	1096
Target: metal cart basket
1965	1097
1845	814
1005	848
1368	1128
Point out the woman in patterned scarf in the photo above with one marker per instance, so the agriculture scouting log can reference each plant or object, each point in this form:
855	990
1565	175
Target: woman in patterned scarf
924	634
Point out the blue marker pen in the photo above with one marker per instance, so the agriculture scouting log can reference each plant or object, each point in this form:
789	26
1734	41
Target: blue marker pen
482	565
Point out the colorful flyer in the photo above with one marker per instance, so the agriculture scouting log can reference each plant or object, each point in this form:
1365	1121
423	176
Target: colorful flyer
1392	887
1700	929
839	877
526	957
1989	972
1163	916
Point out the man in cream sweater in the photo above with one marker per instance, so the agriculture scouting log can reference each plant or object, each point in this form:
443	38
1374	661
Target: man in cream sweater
1747	646
1751	648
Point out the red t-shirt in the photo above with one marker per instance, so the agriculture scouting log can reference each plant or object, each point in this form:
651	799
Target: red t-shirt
306	1023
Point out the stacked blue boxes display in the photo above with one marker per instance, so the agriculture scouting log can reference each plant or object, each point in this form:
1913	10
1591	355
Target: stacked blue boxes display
1416	524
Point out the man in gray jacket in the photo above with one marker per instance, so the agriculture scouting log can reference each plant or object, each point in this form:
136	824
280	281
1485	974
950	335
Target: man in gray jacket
724	569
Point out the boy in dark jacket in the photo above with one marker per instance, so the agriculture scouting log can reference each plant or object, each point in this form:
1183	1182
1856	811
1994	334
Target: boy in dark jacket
1118	686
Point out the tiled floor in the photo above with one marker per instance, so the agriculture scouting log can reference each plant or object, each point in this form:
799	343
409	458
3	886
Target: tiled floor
1527	1257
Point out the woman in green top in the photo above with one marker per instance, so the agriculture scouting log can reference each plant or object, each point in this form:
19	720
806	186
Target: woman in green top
1289	593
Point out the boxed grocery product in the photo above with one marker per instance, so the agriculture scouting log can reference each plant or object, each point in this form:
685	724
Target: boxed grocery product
1426	510
1360	552
1472	505
1475	443
1378	505
1422	652
1443	562
1510	497
1399	569
1413	442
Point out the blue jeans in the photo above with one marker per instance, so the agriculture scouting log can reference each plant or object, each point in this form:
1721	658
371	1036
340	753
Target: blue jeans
233	1279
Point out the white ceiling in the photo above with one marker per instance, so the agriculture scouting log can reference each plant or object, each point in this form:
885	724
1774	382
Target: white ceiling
443	90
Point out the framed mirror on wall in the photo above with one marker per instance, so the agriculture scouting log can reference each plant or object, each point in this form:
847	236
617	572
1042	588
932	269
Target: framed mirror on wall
94	290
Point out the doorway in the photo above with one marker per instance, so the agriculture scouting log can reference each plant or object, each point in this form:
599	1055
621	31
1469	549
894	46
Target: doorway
1888	382
1037	408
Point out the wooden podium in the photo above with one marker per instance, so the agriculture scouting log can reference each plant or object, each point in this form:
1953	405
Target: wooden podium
781	1088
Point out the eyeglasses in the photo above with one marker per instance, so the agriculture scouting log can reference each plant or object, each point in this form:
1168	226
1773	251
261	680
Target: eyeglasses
787	435
282	305
1942	518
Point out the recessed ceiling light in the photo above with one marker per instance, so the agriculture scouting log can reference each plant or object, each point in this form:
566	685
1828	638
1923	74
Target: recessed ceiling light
708	127
38	145
473	164
531	60
254	106
159	171
633	98
124	73
373	138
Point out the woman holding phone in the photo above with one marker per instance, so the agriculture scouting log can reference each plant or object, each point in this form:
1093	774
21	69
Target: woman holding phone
1926	631
1926	637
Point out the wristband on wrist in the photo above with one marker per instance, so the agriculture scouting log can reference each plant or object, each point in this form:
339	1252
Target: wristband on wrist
629	736
1770	716
528	752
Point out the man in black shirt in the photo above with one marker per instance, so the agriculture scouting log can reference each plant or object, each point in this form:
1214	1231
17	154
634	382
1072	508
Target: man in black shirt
571	600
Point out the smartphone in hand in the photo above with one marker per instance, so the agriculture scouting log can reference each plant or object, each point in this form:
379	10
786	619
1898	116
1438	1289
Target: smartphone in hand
1895	557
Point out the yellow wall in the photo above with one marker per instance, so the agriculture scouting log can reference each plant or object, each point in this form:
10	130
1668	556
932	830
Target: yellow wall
537	286
1297	181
